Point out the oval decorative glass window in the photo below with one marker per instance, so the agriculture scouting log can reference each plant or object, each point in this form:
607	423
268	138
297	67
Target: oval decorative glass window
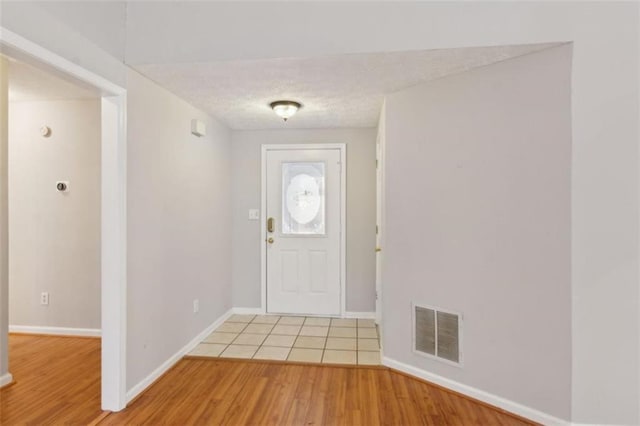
303	198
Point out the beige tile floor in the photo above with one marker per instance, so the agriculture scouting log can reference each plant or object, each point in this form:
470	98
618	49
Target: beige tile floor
294	338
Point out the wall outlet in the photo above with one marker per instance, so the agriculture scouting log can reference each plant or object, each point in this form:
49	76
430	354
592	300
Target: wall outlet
44	298
196	306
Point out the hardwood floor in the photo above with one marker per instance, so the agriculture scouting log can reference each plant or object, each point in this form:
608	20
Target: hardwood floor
216	391
57	381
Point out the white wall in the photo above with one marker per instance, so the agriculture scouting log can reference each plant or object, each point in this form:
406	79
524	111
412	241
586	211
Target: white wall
90	35
361	214
102	23
179	225
478	221
54	238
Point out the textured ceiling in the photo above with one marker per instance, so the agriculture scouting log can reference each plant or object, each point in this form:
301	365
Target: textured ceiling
336	91
27	83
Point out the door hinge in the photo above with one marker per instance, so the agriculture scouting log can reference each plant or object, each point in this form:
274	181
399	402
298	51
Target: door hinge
376	163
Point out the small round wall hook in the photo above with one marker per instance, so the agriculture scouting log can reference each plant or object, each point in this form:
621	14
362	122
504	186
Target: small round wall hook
62	186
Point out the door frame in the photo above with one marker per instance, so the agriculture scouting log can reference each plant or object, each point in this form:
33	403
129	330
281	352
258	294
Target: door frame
343	214
113	210
380	212
379	229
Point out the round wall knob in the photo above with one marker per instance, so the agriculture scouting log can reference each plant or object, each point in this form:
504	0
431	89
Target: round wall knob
62	186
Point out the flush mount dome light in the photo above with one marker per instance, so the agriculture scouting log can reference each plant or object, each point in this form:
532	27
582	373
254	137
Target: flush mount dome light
285	109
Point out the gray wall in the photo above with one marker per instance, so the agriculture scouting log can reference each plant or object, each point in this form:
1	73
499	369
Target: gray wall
478	220
179	225
361	210
54	238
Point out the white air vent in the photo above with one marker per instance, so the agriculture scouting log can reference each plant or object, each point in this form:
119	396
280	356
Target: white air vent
437	334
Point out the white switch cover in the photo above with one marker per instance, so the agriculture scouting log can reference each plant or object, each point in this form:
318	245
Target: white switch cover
254	214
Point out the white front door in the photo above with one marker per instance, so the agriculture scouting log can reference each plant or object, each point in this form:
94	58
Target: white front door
303	232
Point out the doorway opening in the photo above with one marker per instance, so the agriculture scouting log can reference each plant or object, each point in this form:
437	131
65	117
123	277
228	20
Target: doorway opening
111	196
54	204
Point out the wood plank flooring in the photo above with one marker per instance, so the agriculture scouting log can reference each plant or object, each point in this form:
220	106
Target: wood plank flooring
57	381
229	392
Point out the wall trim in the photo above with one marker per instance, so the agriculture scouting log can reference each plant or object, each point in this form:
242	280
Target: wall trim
158	372
362	315
6	379
480	395
56	331
248	311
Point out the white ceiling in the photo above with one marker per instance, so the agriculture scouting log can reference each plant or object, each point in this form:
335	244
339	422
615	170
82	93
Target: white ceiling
27	83
336	91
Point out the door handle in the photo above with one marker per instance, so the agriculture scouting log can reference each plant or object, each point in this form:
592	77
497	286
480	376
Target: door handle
270	224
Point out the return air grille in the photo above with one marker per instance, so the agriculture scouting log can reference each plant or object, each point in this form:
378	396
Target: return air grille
437	333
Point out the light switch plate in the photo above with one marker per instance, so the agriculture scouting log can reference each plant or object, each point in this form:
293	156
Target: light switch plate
254	214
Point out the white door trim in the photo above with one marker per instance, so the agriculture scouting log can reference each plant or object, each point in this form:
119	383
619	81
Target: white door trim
343	215
113	210
379	229
380	212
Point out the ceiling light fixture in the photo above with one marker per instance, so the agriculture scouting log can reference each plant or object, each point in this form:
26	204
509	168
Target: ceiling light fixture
285	109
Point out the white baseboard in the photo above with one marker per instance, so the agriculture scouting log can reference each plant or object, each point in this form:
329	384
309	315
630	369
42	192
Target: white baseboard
497	401
155	374
56	331
5	379
362	315
248	311
260	311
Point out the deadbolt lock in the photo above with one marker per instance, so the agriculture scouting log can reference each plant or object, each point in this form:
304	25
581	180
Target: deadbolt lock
270	240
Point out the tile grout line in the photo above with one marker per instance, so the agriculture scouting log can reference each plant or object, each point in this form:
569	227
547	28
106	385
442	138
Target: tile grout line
235	338
297	335
243	329
270	334
266	337
325	340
